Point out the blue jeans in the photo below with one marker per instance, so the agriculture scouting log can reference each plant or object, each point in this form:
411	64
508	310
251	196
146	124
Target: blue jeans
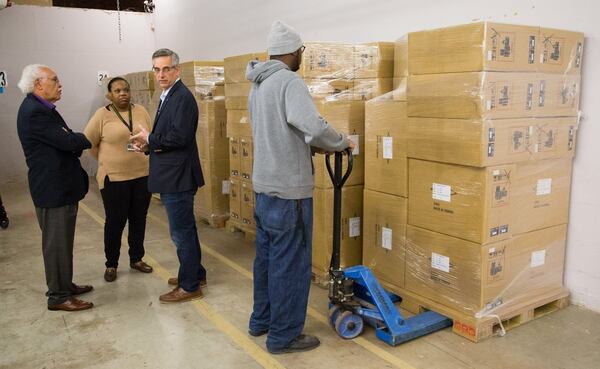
182	227
281	268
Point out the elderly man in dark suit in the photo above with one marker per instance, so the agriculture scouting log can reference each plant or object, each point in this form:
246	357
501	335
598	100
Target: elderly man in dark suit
175	172
56	181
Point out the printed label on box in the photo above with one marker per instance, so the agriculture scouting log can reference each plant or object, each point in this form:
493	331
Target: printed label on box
538	258
225	187
354	225
354	138
386	238
440	262
441	192
544	186
388	147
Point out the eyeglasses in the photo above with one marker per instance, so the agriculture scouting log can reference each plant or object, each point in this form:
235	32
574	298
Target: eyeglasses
54	79
164	69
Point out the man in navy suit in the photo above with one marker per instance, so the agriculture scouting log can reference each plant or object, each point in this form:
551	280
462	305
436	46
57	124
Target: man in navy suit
56	181
175	172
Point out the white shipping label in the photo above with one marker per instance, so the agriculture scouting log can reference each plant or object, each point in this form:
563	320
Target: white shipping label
441	192
440	262
386	238
488	104
388	147
490	54
538	258
225	187
544	186
354	224
354	138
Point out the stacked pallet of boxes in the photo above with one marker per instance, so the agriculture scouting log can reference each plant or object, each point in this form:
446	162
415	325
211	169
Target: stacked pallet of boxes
142	89
491	134
205	79
239	133
341	77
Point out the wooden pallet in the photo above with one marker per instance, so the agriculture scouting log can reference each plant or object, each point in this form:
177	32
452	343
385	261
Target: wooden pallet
215	221
320	278
510	315
234	226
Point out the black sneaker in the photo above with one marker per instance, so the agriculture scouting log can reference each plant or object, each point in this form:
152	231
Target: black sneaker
301	343
259	333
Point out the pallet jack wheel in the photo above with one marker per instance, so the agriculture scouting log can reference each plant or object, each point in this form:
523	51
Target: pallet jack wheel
4	223
333	314
349	325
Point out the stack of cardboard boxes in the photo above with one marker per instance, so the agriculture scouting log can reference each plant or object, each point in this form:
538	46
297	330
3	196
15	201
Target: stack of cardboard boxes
492	117
341	77
239	133
142	89
205	79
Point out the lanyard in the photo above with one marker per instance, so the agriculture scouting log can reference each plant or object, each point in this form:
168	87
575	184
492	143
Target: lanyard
130	125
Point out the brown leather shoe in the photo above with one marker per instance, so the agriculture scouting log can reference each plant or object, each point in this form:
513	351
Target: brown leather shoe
141	266
180	295
79	290
174	281
72	304
110	274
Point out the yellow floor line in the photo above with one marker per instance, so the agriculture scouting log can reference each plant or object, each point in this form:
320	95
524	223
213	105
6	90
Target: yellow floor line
239	337
366	344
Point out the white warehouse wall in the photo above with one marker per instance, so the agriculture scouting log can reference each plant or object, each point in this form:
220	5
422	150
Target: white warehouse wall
77	44
215	29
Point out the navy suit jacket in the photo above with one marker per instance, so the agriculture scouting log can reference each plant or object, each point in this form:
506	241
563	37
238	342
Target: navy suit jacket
52	152
174	160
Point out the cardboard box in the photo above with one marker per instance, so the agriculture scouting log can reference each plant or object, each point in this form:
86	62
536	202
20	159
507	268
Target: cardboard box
488	204
211	134
144	80
557	95
386	162
201	72
351	237
212	199
384	236
154	105
235	66
400	86
472	95
561	51
239	121
235	158
236	95
248	205
346	117
143	98
483	143
348	89
247	158
235	199
482	46
401	57
207	90
472	278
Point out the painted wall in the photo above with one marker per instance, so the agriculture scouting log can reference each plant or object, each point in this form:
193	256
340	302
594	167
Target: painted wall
215	29
77	44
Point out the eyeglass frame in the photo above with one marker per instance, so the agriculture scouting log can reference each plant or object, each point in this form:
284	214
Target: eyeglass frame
165	69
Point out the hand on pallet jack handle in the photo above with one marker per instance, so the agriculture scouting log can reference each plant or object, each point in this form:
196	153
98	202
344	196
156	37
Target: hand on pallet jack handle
336	178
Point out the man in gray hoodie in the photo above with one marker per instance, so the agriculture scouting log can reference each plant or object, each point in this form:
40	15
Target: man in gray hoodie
287	129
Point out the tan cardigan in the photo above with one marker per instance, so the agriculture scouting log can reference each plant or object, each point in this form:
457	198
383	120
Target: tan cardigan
109	137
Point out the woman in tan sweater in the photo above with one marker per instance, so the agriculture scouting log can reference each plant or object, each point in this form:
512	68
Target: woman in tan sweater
122	175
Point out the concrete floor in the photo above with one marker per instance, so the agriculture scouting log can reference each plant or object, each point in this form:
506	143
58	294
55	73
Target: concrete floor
129	328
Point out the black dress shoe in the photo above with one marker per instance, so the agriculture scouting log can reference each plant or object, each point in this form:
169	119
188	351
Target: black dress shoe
72	304
110	274
301	343
141	266
79	290
254	333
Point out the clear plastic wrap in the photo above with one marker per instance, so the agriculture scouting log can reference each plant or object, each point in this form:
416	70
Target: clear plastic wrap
238	123
487	204
236	95
141	80
401	58
194	73
348	89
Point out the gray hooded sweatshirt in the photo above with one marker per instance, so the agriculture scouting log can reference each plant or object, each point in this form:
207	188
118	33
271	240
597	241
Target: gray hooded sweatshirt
285	124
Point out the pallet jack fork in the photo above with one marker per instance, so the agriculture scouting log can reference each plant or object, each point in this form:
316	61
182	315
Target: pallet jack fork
355	295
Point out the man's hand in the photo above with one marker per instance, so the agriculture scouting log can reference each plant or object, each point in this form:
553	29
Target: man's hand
351	144
140	140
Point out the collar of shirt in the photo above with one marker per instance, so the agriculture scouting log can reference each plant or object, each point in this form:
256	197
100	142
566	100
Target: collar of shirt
44	102
164	94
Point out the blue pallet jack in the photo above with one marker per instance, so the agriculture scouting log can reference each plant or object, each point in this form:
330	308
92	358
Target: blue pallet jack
355	295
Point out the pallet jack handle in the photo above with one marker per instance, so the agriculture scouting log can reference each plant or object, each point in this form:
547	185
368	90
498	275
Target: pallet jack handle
338	181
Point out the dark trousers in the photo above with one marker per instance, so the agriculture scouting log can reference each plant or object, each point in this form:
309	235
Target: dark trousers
182	227
281	268
58	234
125	201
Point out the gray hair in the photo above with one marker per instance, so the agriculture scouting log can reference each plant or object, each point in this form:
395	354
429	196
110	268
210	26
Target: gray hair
167	52
31	73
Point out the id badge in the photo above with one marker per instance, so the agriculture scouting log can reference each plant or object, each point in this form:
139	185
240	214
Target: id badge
130	146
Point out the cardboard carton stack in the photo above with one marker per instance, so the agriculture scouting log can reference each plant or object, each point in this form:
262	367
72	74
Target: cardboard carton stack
341	77
142	89
239	133
491	129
